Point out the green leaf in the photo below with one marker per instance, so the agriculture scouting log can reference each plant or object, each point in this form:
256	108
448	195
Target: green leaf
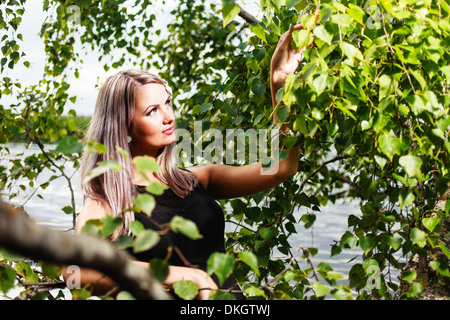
268	233
283	112
146	240
185	289
386	86
136	227
380	161
320	83
159	269
145	163
102	167
406	198
430	223
444	249
351	51
229	11
366	243
321	289
259	31
155	188
302	38
342	19
300	125
7	278
412	165
341	107
145	202
287	92
390	145
342	293
298	4
205	107
356	13
441	267
409	276
418	237
110	224
259	90
124	295
69	145
221	295
24	269
322	33
250	259
67	210
419	78
124	242
348	239
50	270
186	227
221	264
395	243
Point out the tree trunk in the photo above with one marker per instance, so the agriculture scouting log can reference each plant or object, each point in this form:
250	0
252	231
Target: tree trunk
21	235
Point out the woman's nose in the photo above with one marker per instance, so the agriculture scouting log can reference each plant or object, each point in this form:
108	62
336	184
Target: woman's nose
168	116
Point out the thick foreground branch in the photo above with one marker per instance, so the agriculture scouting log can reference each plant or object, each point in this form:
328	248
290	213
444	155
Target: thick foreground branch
21	235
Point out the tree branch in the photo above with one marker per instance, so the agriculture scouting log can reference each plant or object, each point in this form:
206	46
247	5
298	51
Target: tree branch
21	235
337	158
246	16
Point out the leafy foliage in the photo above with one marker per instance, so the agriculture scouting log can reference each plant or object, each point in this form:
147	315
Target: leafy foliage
371	101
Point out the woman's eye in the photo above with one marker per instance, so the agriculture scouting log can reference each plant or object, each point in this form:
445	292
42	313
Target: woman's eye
151	111
169	102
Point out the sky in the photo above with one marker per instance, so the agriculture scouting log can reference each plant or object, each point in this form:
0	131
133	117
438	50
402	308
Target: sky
91	73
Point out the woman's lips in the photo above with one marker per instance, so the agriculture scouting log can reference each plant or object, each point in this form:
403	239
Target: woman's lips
169	131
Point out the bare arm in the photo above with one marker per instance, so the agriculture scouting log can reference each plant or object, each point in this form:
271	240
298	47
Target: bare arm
224	181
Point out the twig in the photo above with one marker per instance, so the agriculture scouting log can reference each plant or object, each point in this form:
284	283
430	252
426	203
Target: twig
60	169
393	51
286	269
320	168
246	16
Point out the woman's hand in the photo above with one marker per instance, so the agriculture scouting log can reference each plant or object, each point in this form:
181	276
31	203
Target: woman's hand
285	59
198	276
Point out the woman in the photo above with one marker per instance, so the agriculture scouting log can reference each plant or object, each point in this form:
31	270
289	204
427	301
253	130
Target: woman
134	111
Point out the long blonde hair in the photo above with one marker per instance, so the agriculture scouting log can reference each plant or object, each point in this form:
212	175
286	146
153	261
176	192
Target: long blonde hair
111	125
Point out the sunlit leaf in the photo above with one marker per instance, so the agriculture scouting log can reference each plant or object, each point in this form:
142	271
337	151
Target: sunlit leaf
221	264
186	289
186	227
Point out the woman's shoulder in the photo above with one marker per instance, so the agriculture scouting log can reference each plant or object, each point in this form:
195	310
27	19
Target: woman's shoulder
202	173
92	210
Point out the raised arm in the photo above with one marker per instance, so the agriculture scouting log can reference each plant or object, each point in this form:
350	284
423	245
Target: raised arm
285	60
224	181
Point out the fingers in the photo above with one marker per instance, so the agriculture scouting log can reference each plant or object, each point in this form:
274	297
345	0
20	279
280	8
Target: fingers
287	36
296	27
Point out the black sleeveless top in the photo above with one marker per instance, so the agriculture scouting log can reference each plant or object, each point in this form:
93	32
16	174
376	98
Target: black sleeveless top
200	208
205	212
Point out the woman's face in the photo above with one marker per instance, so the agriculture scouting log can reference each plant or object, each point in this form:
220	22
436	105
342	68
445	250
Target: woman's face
154	122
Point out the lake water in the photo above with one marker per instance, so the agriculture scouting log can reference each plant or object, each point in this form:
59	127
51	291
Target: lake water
330	224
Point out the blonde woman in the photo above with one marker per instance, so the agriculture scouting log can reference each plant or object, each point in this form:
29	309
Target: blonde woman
134	111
